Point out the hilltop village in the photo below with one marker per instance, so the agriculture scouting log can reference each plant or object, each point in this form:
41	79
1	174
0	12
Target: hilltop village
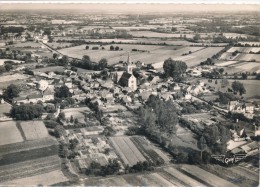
129	100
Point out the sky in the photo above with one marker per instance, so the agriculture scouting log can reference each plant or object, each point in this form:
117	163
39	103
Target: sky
135	6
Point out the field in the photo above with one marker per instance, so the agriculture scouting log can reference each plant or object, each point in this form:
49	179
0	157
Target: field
9	133
150	152
240	57
127	151
4	109
244	49
151	34
154	54
29	168
26	45
78	113
205	176
45	179
50	68
178	175
13	77
34	130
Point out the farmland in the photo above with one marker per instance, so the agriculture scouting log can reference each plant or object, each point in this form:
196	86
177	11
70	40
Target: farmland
152	54
29	168
49	178
9	133
15	61
127	151
244	49
175	175
12	77
34	130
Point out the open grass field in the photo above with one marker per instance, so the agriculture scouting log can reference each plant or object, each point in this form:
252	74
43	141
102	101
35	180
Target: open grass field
29	168
46	179
78	113
4	109
27	45
9	133
50	68
34	130
127	151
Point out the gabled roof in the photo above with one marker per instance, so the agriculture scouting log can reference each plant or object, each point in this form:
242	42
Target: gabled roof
126	75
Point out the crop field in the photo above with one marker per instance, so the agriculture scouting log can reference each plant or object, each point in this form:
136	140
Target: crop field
27	145
244	49
234	35
151	34
149	151
34	130
46	179
13	77
225	63
56	45
248	57
127	151
207	177
9	133
186	175
29	168
238	175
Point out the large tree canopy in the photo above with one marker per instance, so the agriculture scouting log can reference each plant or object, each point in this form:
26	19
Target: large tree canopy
62	92
238	87
11	91
174	68
27	111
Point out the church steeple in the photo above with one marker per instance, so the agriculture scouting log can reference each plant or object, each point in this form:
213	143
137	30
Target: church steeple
129	65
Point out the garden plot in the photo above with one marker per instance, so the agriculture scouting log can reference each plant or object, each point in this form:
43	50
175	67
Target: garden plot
127	151
9	133
34	130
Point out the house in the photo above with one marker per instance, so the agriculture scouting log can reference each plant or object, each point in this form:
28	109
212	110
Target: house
20	100
232	105
34	98
126	99
47	95
249	108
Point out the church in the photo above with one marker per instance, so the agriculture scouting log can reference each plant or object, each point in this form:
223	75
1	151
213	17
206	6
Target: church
126	78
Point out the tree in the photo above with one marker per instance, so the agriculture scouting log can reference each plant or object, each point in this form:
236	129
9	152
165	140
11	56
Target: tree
221	70
71	119
50	108
202	145
244	76
64	61
173	68
87	47
8	67
102	64
238	87
62	92
224	83
26	111
11	92
116	48
112	48
55	55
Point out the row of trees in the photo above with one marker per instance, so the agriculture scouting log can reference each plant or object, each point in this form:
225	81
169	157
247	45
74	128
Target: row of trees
87	63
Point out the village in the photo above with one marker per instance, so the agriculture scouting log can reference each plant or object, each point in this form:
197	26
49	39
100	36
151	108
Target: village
99	115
